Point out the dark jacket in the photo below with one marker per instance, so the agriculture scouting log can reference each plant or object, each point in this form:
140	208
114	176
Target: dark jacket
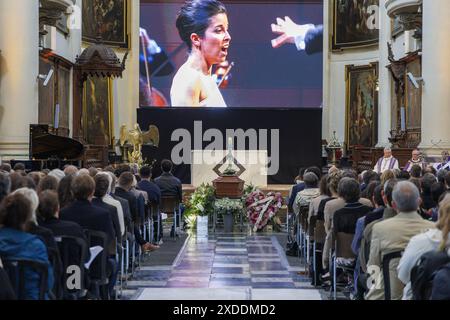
66	228
170	185
344	220
112	212
441	284
132	201
152	189
63	228
314	40
89	217
295	189
6	290
125	209
17	245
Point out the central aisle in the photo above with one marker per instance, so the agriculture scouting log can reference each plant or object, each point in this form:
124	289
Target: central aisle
225	267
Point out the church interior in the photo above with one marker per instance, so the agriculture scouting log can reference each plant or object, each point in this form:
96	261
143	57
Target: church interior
309	162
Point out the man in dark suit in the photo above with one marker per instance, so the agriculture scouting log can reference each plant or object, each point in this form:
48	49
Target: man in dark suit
91	217
101	187
48	217
83	212
152	189
306	37
168	183
153	192
123	191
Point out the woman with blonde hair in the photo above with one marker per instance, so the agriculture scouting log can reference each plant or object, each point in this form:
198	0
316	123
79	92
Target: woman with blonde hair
432	240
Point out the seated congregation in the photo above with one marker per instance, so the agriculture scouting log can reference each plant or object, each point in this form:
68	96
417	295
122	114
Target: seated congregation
373	236
78	233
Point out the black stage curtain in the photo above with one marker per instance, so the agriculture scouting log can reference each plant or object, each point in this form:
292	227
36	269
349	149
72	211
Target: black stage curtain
300	134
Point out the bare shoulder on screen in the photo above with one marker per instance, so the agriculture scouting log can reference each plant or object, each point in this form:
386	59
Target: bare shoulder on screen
186	87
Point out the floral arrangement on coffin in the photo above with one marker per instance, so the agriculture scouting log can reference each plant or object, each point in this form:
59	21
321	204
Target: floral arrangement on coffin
226	206
201	202
262	208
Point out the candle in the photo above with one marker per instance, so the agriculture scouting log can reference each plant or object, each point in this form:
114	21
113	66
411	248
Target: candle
402	119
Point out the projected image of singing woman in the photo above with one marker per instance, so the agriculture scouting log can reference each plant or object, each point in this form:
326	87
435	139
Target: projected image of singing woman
203	26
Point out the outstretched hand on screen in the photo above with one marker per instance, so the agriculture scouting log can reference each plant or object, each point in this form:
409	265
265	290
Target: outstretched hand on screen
290	32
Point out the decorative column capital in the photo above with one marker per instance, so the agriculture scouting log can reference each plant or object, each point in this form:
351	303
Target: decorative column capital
50	11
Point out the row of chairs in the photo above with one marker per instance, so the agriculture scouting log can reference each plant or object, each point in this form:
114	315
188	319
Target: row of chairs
310	237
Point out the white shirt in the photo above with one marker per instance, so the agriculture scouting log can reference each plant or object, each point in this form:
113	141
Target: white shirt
385	164
417	246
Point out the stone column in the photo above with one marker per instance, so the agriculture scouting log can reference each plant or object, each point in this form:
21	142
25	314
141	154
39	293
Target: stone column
436	75
384	94
19	67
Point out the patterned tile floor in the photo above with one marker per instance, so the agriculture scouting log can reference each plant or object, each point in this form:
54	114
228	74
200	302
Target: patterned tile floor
225	267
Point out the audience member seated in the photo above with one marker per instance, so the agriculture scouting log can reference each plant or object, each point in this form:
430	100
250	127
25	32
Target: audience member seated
367	177
345	219
152	189
36	176
168	183
48	217
393	235
432	240
93	171
311	191
19	168
376	214
447	180
426	183
47	183
416	171
5	185
6	290
299	186
83	212
6	167
32	227
57	173
101	188
123	190
430	169
403	175
437	191
330	208
324	192
65	194
17	181
386	176
16	244
70	170
91	217
123	202
370	220
107	198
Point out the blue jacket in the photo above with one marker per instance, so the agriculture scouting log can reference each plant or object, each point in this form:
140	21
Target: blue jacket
152	189
16	245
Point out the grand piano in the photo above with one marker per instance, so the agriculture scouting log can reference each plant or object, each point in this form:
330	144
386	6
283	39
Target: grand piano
50	151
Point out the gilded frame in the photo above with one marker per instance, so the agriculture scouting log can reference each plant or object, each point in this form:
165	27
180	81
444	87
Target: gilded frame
90	27
361	111
345	34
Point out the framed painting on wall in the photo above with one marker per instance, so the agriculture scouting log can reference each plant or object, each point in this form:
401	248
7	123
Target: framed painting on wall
107	20
354	24
97	111
361	105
